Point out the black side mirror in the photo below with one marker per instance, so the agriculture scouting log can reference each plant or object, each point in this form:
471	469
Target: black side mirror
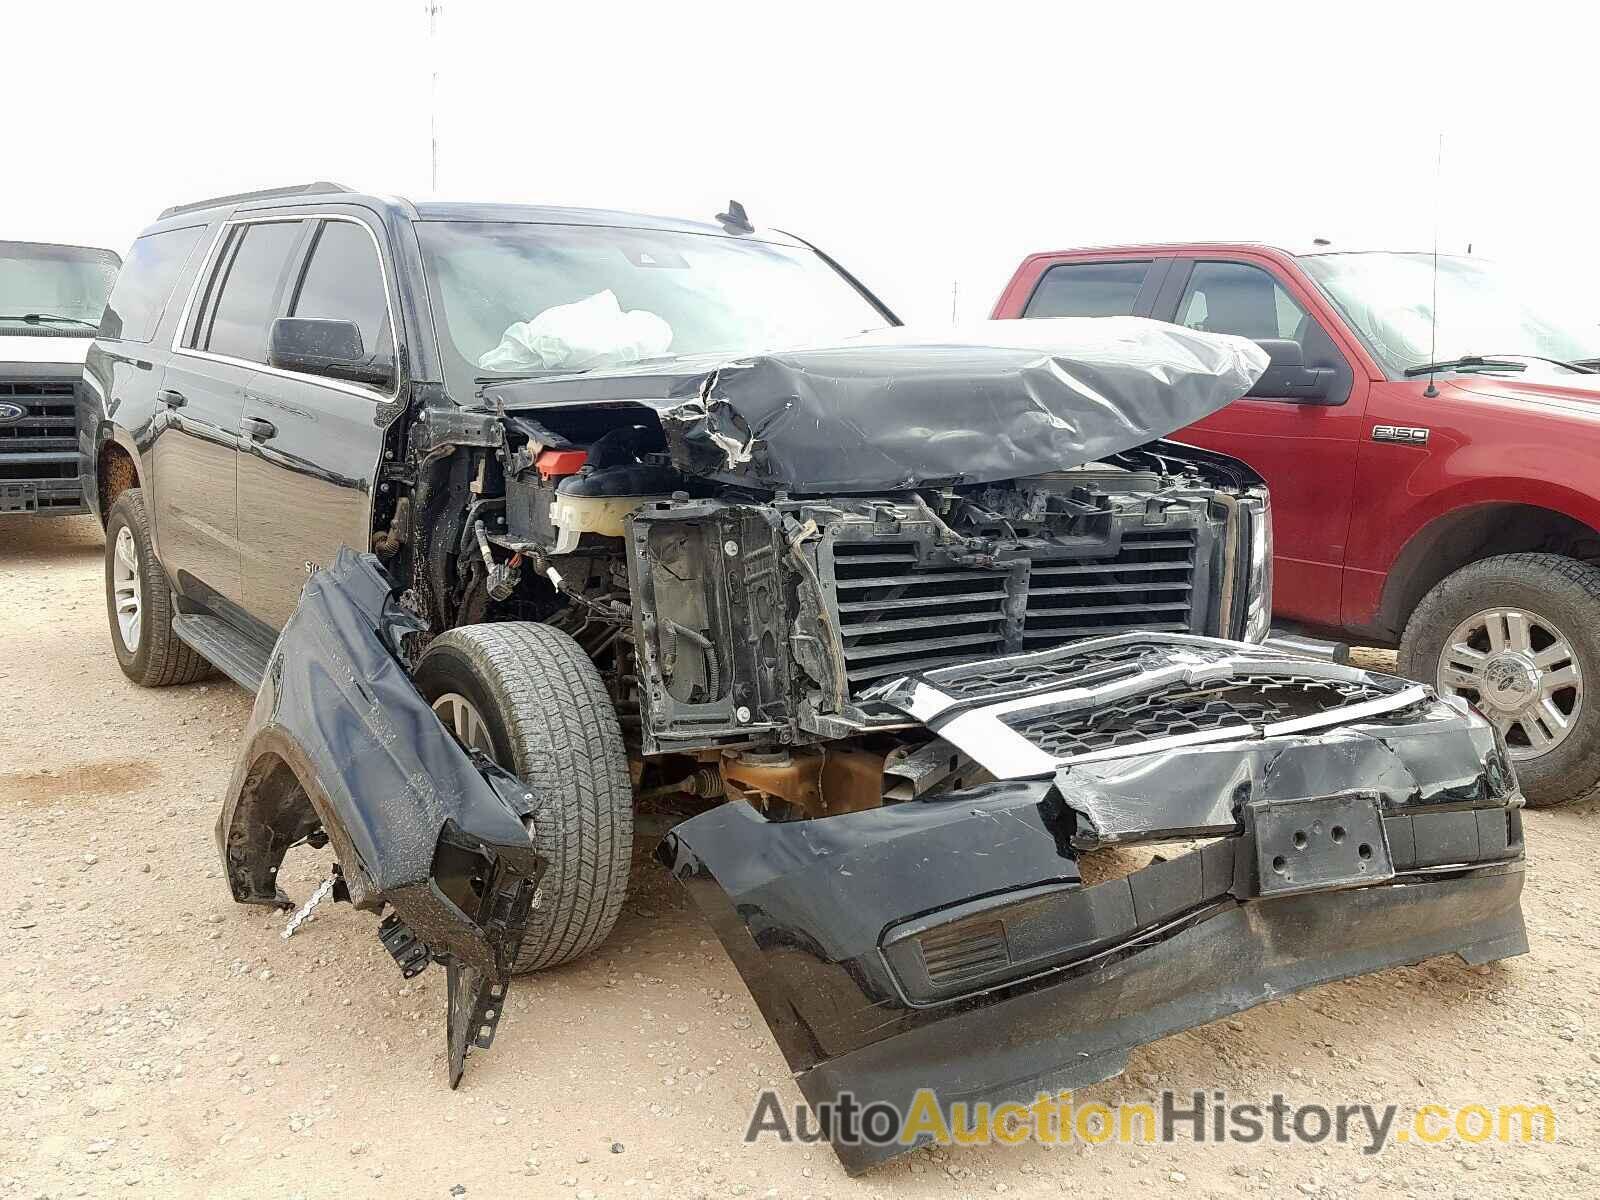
317	346
1288	378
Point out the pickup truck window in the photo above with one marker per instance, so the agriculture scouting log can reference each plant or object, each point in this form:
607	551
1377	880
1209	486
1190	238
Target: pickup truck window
246	285
1088	290
1237	298
146	282
54	291
343	281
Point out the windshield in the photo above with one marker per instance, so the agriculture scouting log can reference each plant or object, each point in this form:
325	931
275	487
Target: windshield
515	298
1484	309
63	289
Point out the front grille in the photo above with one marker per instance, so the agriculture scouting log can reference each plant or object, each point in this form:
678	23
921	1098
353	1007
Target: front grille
895	618
1087	668
1149	585
1248	699
49	422
900	614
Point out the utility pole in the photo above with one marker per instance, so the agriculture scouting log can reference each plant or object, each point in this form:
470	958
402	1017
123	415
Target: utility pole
434	7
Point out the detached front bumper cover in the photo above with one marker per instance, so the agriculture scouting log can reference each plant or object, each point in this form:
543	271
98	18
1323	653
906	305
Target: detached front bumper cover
1349	822
341	746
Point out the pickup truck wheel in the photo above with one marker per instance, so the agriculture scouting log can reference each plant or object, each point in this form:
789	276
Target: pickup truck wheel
139	602
1519	636
528	695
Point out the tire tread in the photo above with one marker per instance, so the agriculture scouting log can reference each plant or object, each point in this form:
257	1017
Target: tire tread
568	745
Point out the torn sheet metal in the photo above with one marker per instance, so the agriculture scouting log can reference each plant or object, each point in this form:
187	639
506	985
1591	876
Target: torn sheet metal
897	408
950	942
341	744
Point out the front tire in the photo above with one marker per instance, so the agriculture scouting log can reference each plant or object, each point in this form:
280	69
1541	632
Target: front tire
1519	636
139	602
529	696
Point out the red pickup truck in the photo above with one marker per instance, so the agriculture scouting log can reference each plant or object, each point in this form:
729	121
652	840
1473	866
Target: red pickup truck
1435	489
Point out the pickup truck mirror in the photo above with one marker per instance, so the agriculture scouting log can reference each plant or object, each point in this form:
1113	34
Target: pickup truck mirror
317	346
1288	378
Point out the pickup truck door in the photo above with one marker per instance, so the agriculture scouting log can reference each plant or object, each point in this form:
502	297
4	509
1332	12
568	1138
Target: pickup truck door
201	399
1306	451
310	445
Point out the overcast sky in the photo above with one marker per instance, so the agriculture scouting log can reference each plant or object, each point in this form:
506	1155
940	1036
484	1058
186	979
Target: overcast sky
921	144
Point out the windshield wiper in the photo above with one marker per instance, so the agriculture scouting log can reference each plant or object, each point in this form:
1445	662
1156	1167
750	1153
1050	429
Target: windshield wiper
41	318
1470	362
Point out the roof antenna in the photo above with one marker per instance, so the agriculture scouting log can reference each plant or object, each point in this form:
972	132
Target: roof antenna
1432	389
734	220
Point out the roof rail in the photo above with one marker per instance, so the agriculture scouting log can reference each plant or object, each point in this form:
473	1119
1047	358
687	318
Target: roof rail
298	189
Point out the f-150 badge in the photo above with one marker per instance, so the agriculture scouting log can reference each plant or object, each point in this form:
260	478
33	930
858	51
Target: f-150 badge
1411	435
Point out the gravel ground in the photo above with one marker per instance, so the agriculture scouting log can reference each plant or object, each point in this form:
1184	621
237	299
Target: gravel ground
156	1039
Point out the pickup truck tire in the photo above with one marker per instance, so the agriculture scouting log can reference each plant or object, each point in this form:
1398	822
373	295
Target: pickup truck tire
137	586
1553	605
551	723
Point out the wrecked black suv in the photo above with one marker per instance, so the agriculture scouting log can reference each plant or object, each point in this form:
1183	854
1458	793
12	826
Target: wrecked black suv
512	515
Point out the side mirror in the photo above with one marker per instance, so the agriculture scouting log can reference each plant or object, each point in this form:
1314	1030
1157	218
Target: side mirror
316	346
1288	378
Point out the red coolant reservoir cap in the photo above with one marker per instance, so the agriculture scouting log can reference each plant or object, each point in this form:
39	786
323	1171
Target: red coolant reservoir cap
554	463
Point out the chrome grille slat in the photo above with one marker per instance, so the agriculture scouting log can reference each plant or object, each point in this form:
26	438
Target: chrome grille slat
895	617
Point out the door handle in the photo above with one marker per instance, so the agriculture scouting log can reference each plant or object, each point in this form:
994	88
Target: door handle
172	398
259	428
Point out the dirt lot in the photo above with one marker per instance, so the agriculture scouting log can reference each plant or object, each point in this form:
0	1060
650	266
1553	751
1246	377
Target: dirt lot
156	1039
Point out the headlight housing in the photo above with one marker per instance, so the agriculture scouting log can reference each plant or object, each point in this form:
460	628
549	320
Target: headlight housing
1258	580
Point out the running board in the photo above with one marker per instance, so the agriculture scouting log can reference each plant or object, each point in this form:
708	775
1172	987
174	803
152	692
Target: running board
237	655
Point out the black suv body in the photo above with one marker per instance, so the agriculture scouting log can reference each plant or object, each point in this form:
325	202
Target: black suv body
936	616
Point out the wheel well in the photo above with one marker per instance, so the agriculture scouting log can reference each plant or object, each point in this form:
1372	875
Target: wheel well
116	474
1450	542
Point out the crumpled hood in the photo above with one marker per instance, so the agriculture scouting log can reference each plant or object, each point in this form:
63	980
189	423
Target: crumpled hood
902	408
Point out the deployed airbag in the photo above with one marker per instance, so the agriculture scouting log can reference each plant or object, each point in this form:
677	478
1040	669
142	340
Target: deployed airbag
592	332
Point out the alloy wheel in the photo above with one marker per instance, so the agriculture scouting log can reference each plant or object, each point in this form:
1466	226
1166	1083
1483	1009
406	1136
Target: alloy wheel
1521	672
462	718
126	589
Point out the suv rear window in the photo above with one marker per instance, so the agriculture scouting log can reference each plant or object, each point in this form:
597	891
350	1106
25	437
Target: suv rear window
146	282
250	278
1088	290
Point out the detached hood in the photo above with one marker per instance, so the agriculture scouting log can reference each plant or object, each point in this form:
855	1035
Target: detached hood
902	408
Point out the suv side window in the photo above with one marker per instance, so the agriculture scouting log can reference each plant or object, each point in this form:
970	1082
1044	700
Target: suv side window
146	282
343	280
1226	297
1088	290
244	291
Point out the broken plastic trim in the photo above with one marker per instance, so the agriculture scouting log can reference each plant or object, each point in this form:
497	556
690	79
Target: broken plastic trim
951	943
340	741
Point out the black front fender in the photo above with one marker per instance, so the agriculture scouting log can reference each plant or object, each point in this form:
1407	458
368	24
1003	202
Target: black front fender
341	741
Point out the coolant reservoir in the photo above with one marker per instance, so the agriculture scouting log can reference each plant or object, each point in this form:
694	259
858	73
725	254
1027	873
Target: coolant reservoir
591	503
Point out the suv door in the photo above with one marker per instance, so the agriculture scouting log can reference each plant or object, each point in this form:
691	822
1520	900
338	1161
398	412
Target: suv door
1306	450
311	444
214	352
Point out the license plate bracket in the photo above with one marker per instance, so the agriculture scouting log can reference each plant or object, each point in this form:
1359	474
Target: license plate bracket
1321	843
18	498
